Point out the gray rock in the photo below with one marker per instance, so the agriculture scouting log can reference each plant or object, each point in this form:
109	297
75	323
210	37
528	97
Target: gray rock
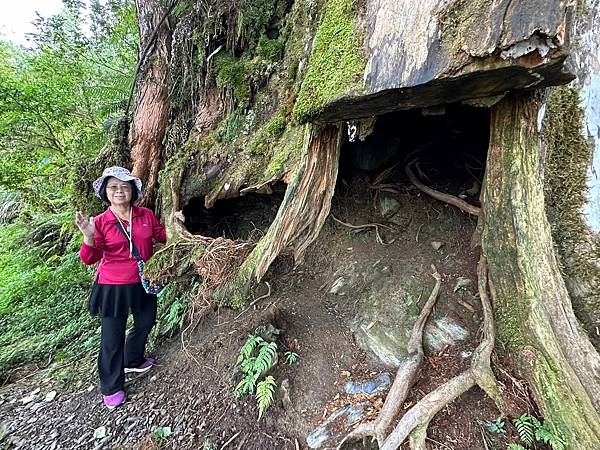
388	206
444	331
337	425
436	245
371	386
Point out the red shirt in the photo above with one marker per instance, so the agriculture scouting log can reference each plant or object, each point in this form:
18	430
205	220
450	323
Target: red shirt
112	247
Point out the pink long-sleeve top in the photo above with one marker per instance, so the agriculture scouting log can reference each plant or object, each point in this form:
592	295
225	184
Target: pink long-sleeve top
111	247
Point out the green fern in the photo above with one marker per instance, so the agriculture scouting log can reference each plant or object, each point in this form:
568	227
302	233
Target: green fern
266	356
526	426
248	348
543	434
291	357
515	447
264	394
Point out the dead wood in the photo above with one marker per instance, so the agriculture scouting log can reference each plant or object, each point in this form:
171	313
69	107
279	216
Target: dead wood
406	376
446	198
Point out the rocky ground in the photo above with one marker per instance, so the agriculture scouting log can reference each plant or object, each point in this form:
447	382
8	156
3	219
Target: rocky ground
346	311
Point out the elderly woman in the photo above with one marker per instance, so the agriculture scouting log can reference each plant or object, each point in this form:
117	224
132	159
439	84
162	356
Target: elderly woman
118	238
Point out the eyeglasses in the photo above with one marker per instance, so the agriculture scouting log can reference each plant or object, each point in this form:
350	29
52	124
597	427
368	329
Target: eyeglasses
117	187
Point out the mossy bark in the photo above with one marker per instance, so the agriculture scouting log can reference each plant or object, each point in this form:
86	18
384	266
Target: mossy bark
533	311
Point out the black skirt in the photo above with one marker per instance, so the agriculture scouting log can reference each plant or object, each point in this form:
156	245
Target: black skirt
114	300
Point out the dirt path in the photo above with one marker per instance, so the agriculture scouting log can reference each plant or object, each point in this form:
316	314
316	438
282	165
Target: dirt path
191	391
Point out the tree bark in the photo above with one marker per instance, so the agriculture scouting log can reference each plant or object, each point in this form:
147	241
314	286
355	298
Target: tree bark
533	311
151	113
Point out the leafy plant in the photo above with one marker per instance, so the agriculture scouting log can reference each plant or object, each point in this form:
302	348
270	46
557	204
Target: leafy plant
531	430
264	394
162	432
515	447
209	445
256	357
495	426
291	357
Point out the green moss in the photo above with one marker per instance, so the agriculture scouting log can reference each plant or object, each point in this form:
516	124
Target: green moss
267	135
565	191
337	60
289	145
232	73
270	49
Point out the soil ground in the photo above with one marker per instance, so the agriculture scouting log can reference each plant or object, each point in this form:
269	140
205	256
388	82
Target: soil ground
191	390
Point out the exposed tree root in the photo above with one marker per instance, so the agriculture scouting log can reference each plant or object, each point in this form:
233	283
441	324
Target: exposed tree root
447	198
406	376
367	225
414	423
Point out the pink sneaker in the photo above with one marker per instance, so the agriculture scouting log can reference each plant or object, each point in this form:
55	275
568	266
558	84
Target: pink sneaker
143	367
114	400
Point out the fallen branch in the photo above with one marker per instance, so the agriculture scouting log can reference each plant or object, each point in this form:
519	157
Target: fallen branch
366	225
446	198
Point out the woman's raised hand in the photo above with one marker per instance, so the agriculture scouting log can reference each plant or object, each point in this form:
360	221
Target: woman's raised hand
86	226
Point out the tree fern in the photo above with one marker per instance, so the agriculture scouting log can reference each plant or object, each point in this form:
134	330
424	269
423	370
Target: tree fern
264	394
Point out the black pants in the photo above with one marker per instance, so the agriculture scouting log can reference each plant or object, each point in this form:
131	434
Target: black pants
116	352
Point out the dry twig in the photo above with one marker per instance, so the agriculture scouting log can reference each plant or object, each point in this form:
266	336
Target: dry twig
366	225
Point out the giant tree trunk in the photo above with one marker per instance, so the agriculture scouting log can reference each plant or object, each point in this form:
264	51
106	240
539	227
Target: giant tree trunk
151	114
533	310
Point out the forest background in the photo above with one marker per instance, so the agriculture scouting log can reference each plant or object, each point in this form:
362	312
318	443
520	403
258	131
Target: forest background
59	100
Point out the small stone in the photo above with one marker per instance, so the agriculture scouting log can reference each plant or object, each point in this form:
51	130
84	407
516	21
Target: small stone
50	396
388	206
337	286
436	245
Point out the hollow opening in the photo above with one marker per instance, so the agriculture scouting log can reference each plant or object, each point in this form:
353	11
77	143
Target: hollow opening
447	146
244	218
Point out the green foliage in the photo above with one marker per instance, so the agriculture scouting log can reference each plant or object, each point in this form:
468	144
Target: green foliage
58	99
495	426
337	60
256	357
209	445
162	432
42	301
515	447
264	394
530	430
291	357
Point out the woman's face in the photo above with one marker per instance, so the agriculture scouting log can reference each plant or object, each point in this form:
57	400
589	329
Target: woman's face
118	192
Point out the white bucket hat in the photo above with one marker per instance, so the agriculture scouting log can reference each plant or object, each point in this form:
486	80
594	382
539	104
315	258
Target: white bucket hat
120	173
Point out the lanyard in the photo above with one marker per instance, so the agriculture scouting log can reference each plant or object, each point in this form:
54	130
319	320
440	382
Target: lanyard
128	230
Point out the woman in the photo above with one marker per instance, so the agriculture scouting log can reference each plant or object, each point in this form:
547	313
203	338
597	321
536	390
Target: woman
115	238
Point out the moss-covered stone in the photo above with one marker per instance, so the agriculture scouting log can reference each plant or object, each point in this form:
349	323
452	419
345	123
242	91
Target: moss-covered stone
337	60
460	21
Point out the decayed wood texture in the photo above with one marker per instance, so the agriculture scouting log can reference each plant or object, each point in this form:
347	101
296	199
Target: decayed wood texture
533	310
432	51
151	113
307	200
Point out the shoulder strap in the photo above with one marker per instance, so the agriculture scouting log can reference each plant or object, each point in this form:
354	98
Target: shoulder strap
134	249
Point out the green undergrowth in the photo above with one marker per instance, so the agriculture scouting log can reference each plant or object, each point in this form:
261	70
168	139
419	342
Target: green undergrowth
337	60
42	300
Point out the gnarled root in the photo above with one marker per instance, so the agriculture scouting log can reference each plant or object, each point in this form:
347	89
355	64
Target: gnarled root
446	198
414	423
406	376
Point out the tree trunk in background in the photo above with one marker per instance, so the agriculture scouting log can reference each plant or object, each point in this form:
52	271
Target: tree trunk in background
151	113
533	311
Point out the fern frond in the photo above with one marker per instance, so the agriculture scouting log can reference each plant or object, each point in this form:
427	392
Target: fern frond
515	447
291	357
266	356
545	435
264	394
248	348
246	386
525	426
